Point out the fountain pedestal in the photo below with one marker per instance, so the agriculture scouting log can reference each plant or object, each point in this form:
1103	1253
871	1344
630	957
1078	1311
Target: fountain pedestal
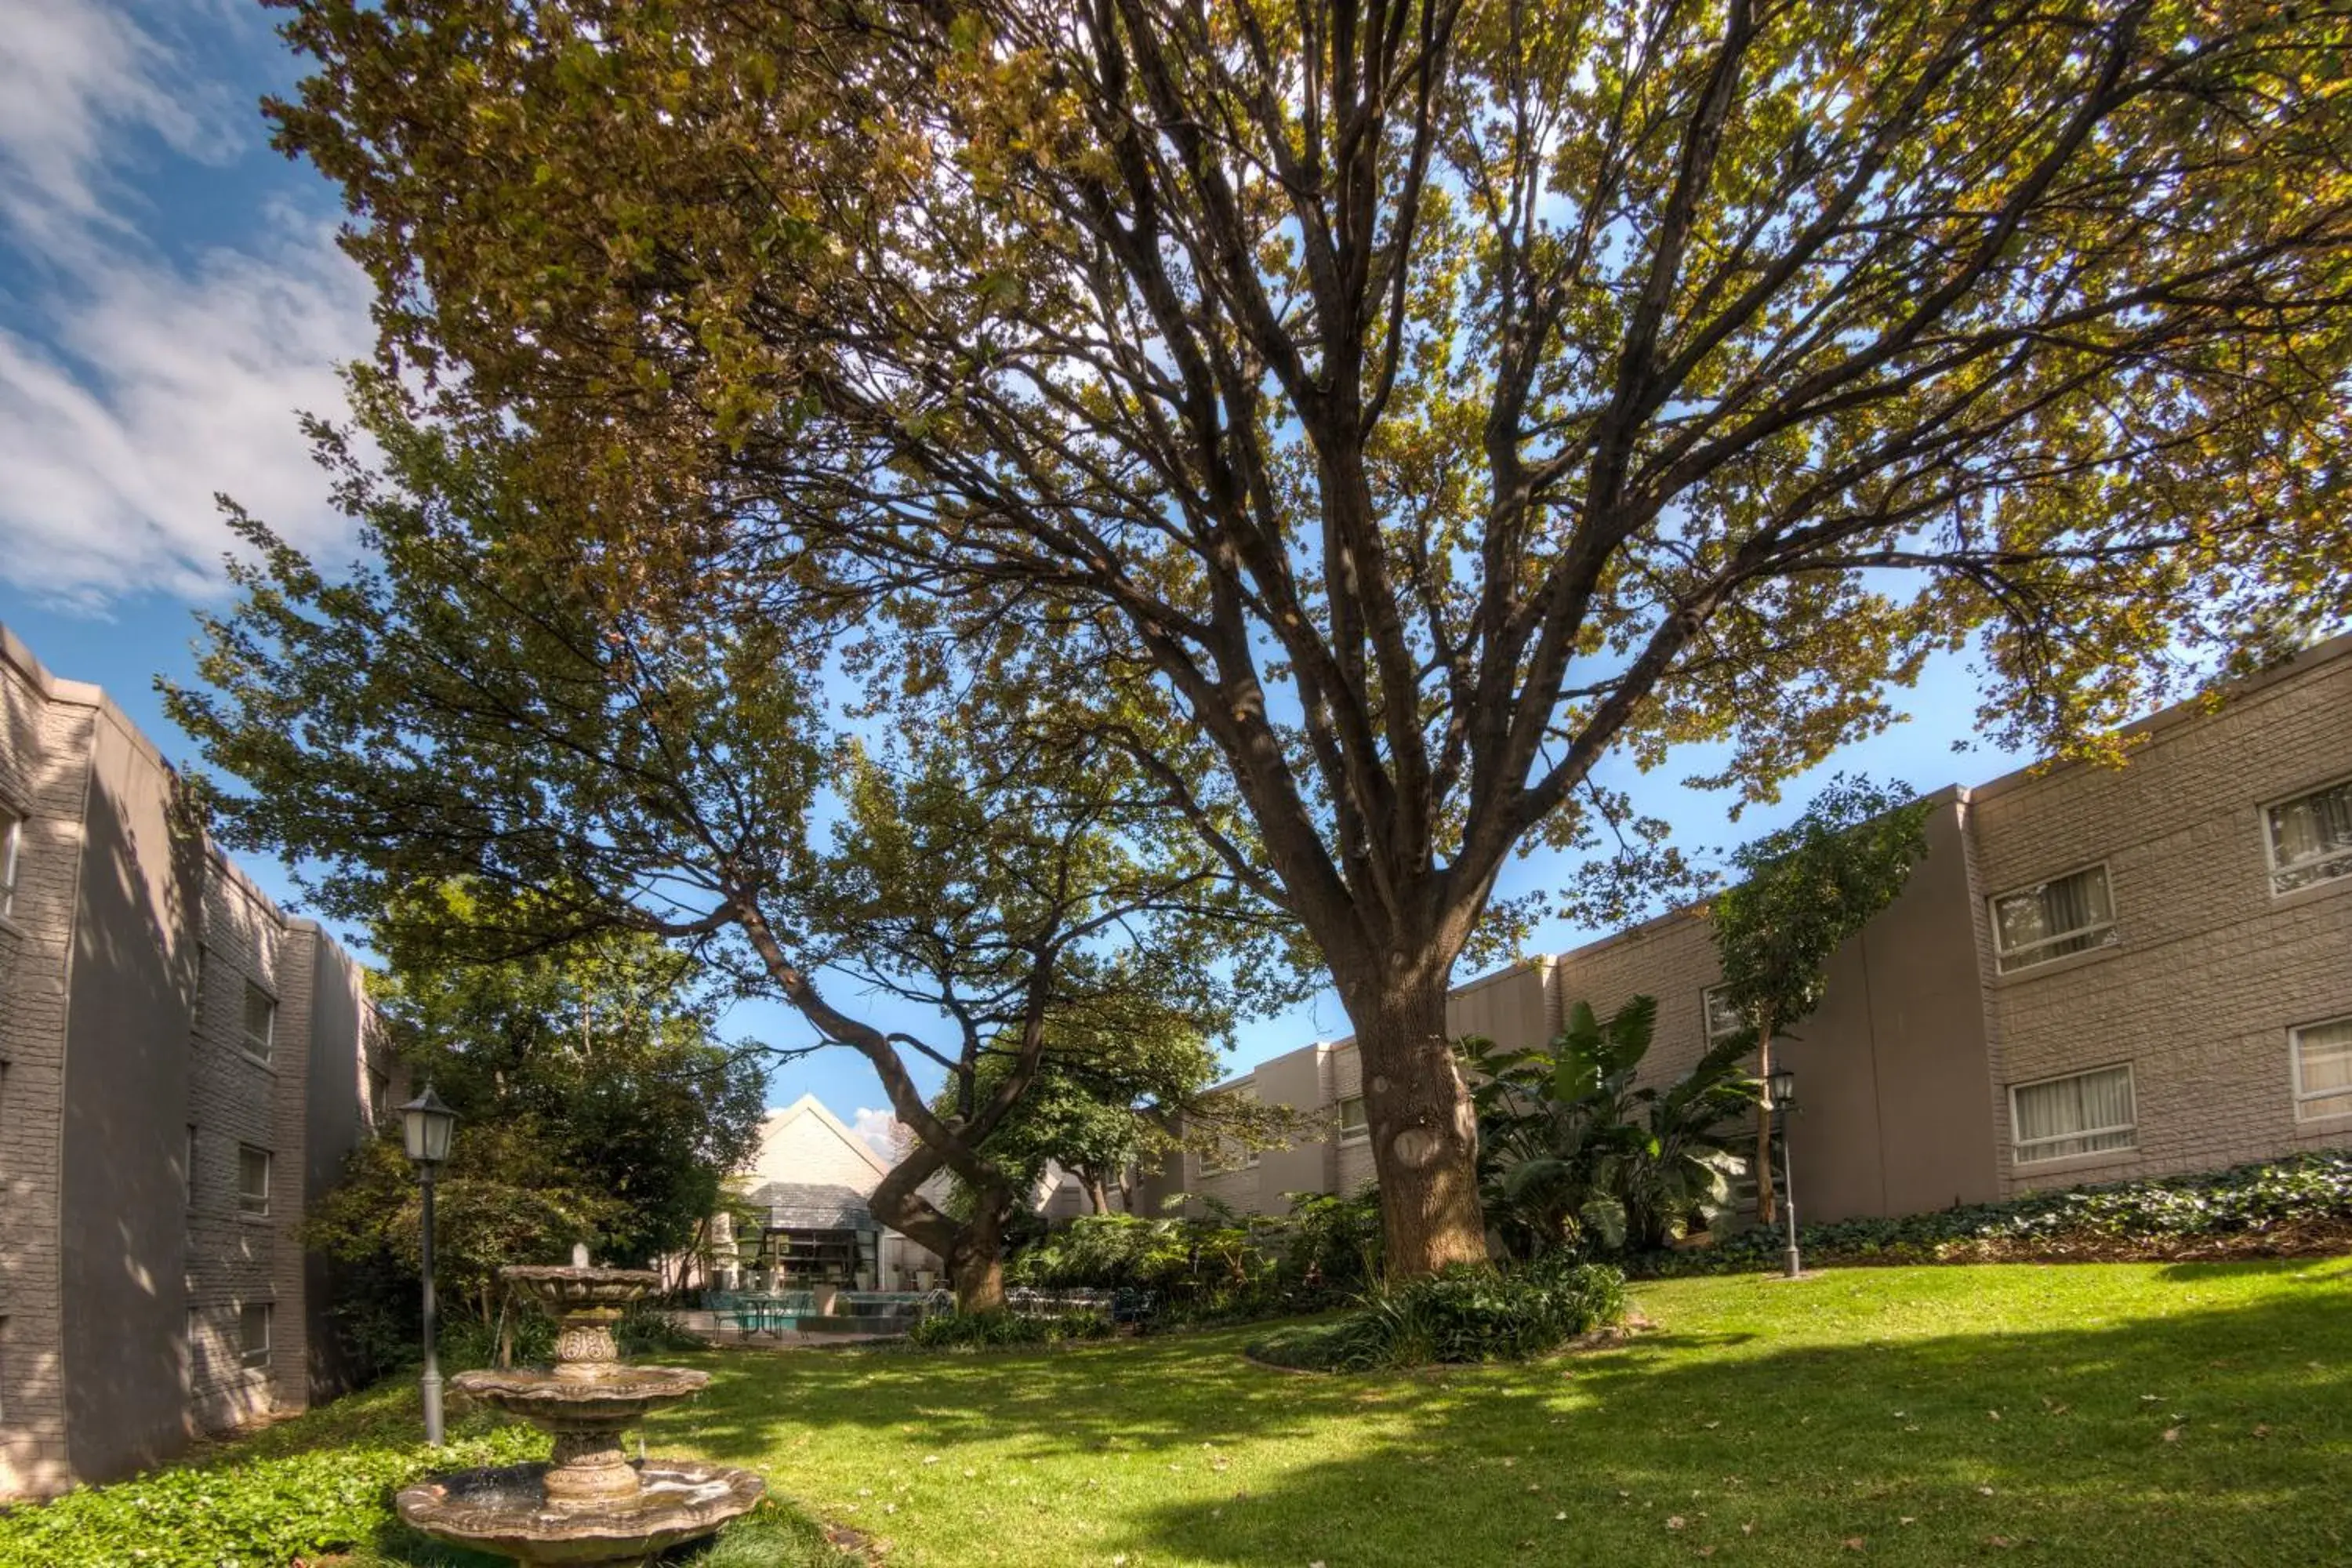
588	1504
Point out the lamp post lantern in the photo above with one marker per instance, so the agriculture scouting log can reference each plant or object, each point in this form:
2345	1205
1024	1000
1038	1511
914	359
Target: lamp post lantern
1781	1101
425	1127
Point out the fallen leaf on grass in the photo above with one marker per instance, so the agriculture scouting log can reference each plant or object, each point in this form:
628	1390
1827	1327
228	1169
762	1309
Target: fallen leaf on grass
1675	1523
1853	1543
2172	1434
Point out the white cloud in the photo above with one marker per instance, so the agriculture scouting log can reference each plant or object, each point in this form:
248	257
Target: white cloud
134	388
78	82
160	390
879	1130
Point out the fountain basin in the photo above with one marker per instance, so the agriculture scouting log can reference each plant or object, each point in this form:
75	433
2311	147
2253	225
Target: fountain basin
506	1511
616	1397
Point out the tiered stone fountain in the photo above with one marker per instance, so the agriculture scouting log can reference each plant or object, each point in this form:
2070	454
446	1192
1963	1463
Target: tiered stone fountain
588	1504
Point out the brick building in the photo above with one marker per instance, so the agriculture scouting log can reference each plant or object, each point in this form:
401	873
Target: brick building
182	1068
2097	973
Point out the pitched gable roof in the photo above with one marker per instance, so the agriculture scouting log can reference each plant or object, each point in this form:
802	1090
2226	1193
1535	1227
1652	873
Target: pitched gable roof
810	1108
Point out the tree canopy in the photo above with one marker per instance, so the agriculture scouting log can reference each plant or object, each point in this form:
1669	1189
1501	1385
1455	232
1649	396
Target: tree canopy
469	711
1397	408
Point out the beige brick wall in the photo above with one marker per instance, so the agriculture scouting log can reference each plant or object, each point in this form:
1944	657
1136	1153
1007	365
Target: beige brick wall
236	1101
44	761
106	1046
2208	971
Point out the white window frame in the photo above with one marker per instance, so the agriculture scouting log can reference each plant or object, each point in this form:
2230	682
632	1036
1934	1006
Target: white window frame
2294	1064
2007	960
2017	1146
244	1197
1362	1129
264	1051
1707	1006
246	1354
12	834
2270	845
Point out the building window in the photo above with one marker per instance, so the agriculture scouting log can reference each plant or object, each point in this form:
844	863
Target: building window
2087	1113
2310	838
2322	1070
11	830
1352	1123
2067	914
260	1020
252	1179
379	1095
1723	1019
253	1332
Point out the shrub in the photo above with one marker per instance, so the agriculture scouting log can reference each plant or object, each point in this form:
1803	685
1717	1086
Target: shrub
2288	1205
998	1330
1222	1269
265	1510
1464	1314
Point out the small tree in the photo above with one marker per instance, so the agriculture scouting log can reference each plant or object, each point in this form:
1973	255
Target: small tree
1806	888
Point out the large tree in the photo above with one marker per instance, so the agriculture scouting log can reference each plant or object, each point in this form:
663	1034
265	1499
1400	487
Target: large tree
1419	402
472	709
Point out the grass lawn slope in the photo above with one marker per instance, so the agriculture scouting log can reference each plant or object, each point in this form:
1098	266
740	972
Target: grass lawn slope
2099	1413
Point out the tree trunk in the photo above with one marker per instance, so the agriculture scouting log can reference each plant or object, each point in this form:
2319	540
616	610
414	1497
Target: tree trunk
1098	1191
1425	1131
1765	1206
975	1261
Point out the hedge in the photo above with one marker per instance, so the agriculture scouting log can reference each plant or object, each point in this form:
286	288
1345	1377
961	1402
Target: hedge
2298	1205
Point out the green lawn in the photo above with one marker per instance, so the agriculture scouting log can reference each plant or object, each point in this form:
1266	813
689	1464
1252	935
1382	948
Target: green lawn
2124	1414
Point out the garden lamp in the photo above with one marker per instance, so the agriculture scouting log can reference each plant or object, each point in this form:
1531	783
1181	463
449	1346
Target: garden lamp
425	1127
1780	1087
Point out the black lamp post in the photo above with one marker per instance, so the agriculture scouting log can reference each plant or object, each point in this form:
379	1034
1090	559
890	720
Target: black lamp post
425	1127
1780	1087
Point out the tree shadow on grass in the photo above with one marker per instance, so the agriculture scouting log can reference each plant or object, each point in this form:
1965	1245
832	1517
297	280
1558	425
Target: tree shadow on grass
1149	1393
2045	1443
2036	1441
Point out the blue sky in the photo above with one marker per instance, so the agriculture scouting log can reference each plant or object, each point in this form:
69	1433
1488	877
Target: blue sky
169	297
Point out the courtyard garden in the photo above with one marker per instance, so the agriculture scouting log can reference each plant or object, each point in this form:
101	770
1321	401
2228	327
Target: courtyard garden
2096	1413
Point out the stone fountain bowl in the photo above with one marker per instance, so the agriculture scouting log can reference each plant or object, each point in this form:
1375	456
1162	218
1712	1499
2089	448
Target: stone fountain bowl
616	1396
505	1511
563	1290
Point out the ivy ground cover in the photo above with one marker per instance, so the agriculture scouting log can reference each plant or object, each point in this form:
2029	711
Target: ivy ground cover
2083	1414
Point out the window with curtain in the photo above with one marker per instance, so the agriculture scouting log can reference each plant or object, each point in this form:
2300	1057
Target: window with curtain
1352	1124
2311	837
2087	1113
11	826
252	1180
2322	1070
2066	914
260	1020
1723	1019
